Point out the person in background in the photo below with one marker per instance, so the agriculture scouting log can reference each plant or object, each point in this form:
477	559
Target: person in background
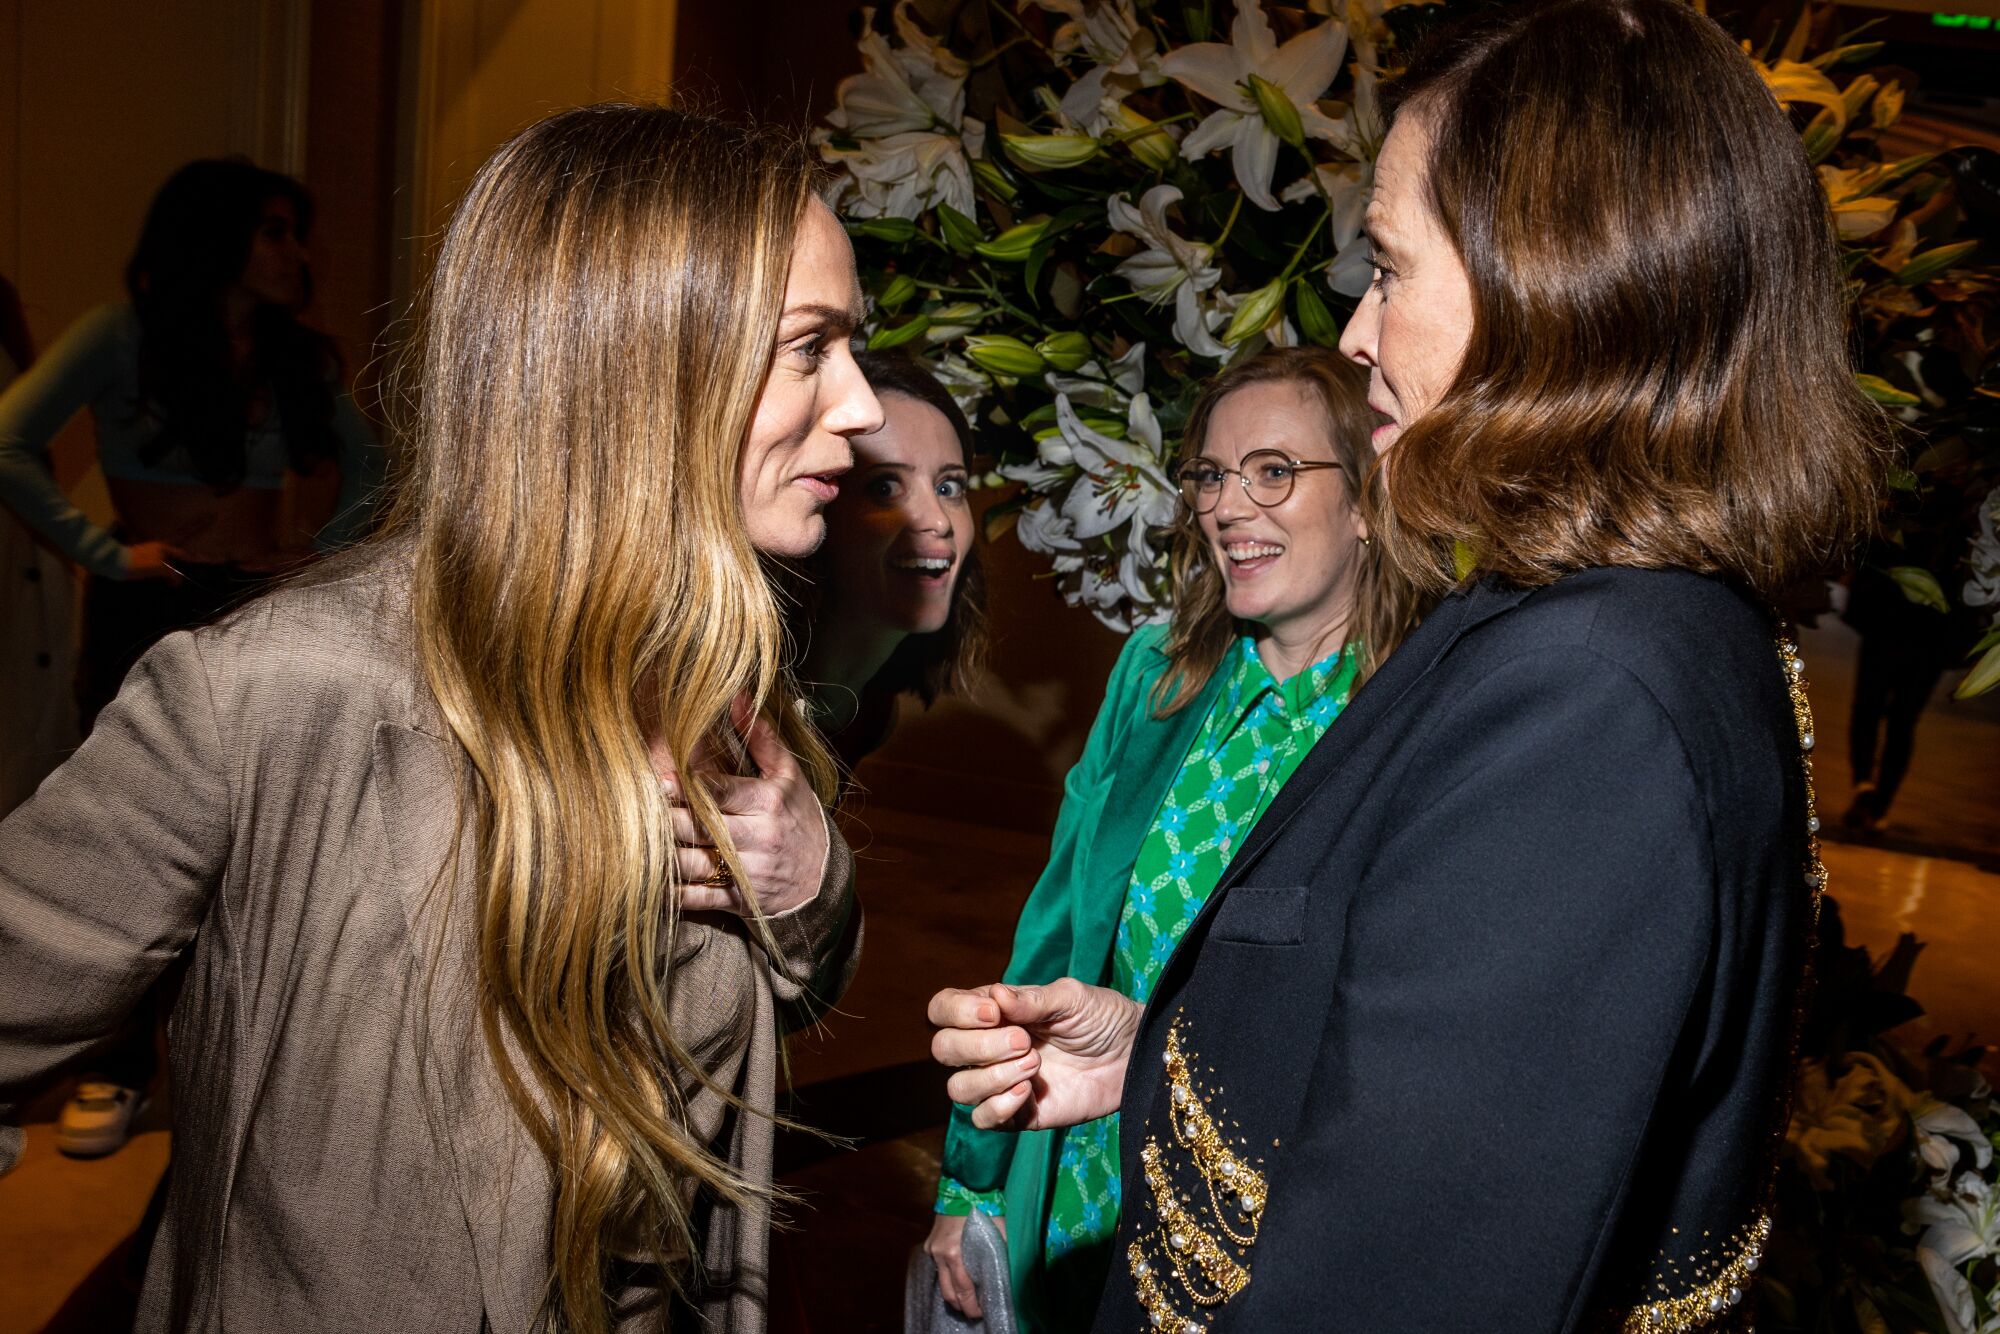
896	600
1281	609
207	392
37	621
1906	648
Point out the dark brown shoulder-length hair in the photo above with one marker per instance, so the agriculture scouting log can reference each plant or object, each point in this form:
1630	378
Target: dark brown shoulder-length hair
1202	629
1659	367
945	660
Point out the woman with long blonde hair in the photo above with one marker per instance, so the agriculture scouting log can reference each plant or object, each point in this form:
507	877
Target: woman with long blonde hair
497	846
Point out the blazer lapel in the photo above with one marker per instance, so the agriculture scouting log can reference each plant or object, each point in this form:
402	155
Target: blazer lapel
1146	766
1456	615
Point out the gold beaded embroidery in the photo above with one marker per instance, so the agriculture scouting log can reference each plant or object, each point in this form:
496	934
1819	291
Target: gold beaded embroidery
1181	1244
1712	1299
1718	1292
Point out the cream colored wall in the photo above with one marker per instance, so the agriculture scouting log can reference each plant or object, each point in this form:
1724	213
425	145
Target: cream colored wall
478	70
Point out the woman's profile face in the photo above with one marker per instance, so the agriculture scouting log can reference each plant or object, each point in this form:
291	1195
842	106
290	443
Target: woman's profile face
1292	567
274	273
814	399
898	535
1411	327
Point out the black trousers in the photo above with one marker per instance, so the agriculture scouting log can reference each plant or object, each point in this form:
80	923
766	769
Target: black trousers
1893	680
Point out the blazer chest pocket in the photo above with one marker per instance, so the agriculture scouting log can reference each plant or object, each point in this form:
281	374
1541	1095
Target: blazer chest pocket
1251	916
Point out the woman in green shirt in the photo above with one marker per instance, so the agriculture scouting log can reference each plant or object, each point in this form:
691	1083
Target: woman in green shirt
1280	611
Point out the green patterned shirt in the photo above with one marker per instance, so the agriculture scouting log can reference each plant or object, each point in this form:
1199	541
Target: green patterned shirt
1256	733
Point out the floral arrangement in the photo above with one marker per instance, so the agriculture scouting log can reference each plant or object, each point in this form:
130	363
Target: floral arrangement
1078	210
1888	1209
1926	309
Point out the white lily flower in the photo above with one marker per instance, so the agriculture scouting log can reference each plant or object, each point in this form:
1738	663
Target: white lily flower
1347	186
1122	479
1302	70
1983	589
1126	54
904	174
1170	266
1352	268
1954	1296
1042	526
1092	386
1939	1128
919	85
965	382
905	113
1961	1221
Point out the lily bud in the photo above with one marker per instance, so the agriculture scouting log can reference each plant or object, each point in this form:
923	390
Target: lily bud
1016	243
953	322
1003	354
1278	111
960	232
1255	312
1049	152
1152	146
900	289
897	230
994	179
1316	322
1065	351
895	336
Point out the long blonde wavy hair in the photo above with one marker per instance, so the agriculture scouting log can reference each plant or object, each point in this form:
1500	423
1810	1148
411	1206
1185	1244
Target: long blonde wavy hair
591	351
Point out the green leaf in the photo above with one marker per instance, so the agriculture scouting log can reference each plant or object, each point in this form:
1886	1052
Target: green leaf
897	230
1823	134
895	336
1198	23
1903	168
1852	54
1922	268
1986	641
960	232
1885	393
1984	675
1315	320
1902	479
1920	586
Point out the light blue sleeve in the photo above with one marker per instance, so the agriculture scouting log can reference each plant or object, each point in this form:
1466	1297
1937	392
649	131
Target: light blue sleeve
363	466
85	364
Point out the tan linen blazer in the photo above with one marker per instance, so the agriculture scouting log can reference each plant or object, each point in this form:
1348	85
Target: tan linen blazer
273	797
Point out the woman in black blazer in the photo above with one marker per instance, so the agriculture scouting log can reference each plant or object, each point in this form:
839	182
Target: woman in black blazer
1489	1025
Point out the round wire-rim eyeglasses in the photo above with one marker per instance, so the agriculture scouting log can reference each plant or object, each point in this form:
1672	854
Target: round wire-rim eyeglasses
1267	477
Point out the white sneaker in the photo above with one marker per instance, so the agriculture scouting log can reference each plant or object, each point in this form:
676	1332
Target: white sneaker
97	1120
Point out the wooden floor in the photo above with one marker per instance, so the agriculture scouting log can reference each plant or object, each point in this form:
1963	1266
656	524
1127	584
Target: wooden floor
942	897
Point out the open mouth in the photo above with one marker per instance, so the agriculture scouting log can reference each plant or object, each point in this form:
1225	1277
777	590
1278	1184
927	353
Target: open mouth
1248	553
923	567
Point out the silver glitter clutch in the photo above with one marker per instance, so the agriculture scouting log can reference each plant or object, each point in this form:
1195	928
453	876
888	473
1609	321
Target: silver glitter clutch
924	1311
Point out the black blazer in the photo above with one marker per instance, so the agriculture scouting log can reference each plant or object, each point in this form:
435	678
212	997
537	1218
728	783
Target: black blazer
1498	998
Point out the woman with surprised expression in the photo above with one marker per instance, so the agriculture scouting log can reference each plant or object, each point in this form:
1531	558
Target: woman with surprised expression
897	605
1281	611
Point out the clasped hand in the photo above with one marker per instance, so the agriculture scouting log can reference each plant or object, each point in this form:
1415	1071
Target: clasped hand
1035	1058
774	819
